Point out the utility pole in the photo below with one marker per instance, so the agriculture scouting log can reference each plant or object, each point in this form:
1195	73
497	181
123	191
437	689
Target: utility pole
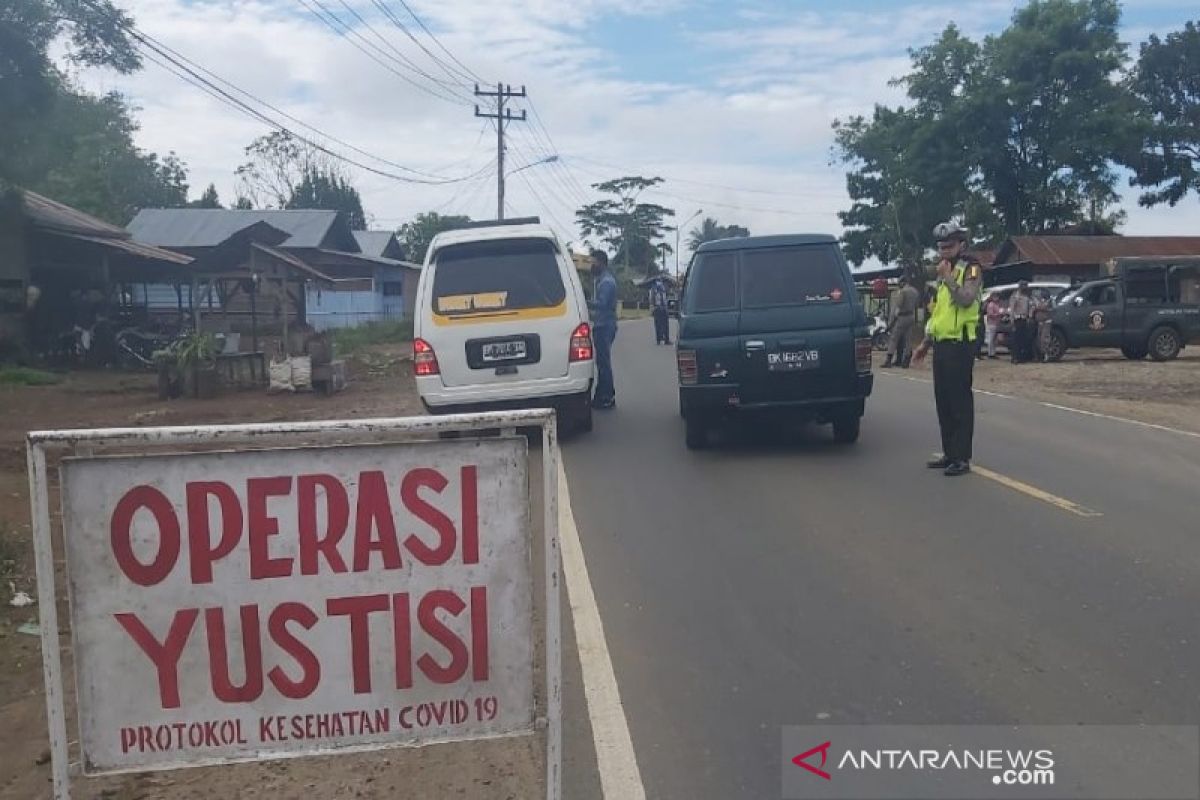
503	115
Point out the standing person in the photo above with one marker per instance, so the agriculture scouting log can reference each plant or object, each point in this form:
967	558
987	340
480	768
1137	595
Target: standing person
1020	308
903	317
1041	326
604	329
950	333
993	312
658	306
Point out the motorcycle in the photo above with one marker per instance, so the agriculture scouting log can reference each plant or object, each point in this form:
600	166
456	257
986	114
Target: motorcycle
136	346
880	333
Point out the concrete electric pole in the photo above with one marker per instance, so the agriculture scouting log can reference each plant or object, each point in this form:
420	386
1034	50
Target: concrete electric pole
503	115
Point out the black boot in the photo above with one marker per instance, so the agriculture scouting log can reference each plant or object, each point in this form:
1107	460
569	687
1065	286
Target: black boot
888	363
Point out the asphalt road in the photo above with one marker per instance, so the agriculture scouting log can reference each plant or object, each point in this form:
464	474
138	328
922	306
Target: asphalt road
778	581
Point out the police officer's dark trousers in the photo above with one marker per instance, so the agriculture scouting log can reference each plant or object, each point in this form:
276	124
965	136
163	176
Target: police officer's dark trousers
953	376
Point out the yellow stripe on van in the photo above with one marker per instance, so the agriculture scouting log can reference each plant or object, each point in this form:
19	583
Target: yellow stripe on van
515	314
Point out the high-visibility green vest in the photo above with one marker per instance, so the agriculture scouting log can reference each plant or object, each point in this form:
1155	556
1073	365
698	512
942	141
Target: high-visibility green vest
950	321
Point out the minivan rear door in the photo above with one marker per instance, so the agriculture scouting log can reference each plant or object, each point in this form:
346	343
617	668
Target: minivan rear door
796	329
500	311
708	326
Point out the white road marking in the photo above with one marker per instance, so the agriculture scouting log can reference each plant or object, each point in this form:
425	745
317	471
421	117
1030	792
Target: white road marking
1070	409
1150	425
620	778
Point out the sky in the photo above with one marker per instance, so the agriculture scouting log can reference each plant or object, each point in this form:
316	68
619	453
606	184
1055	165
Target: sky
730	101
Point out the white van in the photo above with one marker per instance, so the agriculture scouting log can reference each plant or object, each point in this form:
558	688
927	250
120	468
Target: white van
501	321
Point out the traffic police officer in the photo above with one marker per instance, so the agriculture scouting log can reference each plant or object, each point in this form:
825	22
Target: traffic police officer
951	332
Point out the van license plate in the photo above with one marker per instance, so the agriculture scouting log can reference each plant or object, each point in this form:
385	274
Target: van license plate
793	360
504	351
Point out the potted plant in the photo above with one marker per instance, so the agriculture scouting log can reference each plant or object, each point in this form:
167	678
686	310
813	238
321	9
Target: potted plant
196	355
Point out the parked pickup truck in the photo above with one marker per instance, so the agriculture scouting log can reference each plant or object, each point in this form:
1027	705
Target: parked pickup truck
1146	307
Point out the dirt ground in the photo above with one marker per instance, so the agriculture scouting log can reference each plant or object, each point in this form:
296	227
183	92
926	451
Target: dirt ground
1104	382
380	385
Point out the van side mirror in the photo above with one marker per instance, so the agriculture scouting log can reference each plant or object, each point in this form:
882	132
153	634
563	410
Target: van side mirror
1078	301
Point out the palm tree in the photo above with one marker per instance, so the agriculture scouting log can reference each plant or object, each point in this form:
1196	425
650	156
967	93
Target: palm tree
710	230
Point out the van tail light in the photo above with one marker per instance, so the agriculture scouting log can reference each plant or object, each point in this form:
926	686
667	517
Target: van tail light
862	355
688	371
425	361
581	344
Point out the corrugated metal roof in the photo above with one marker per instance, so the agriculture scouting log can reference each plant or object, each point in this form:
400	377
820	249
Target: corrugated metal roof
370	259
292	261
134	248
1091	250
377	243
51	214
208	227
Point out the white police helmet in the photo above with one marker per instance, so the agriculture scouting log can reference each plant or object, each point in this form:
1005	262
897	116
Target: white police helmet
947	231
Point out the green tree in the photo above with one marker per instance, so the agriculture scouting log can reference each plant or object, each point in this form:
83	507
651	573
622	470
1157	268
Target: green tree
91	162
209	199
1019	134
419	232
1167	83
92	34
1052	116
319	189
628	227
710	230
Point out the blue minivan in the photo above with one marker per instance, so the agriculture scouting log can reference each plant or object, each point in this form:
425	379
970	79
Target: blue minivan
772	325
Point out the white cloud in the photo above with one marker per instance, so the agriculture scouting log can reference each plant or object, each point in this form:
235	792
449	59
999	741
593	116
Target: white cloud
753	109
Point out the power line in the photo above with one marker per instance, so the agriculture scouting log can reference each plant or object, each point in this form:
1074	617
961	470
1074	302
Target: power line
181	57
462	78
705	202
673	179
462	187
164	58
399	54
539	123
338	26
551	161
470	73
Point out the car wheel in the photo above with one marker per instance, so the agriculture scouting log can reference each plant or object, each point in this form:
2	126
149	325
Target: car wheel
1056	347
847	428
1165	344
696	435
1134	353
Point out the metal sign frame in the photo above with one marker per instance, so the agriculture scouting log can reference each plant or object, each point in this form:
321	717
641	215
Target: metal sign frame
84	442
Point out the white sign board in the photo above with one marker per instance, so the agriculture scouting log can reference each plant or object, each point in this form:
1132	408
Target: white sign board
239	605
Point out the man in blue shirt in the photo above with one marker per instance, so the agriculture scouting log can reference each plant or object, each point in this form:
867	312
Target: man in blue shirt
604	329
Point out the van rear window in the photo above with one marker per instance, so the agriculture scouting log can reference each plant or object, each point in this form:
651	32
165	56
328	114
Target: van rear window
792	276
501	275
713	286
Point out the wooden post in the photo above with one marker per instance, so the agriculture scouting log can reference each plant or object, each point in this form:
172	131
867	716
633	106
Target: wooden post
253	302
193	305
283	302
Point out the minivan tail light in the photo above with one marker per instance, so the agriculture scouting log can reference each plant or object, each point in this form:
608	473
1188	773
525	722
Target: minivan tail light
581	344
425	361
862	354
688	371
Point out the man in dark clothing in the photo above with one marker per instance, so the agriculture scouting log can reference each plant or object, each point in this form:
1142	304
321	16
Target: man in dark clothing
658	306
1020	308
604	330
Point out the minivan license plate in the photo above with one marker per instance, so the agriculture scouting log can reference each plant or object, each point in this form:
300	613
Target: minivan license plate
792	360
504	351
